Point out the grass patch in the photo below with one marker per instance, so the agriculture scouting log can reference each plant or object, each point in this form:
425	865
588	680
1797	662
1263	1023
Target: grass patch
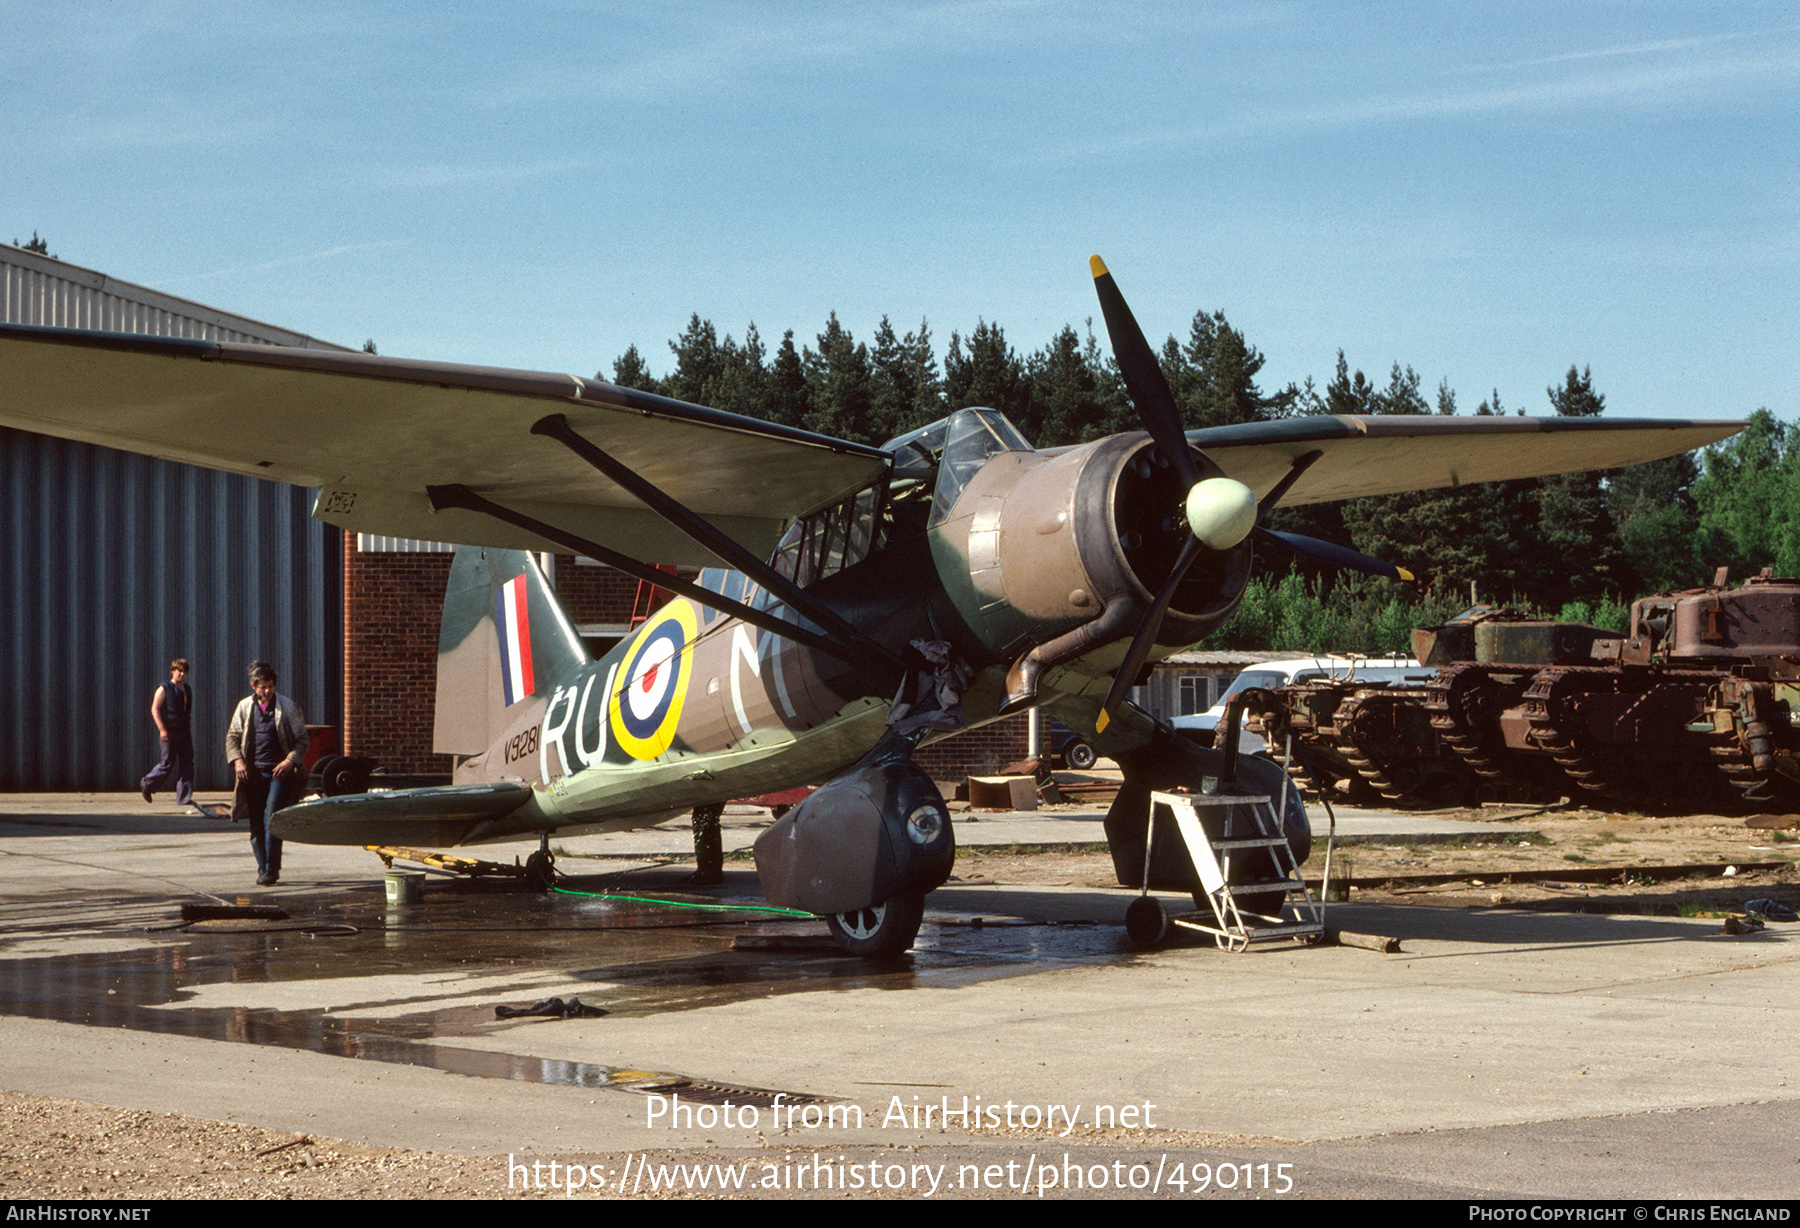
1573	857
1697	910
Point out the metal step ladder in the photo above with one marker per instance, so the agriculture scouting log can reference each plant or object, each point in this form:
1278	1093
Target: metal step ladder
1249	830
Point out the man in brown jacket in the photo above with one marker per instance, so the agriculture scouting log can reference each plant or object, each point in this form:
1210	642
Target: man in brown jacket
266	745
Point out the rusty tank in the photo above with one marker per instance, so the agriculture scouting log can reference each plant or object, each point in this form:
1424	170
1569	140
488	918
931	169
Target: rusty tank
1694	705
1372	741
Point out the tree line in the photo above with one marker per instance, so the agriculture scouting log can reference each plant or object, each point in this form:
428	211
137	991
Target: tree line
1583	543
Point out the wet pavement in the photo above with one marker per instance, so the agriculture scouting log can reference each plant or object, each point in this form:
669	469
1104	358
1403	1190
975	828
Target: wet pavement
1540	1053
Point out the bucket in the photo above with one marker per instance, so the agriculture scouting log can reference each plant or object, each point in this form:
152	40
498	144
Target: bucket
405	886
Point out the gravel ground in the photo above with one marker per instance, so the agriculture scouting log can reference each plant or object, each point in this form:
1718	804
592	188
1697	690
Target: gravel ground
66	1149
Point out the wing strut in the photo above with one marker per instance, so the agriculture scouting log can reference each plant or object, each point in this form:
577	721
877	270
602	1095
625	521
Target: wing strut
557	427
467	500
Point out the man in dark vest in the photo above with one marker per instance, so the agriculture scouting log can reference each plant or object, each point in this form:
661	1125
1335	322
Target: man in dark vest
172	708
266	745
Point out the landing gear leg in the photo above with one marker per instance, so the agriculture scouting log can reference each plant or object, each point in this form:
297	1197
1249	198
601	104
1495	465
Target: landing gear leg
709	846
540	867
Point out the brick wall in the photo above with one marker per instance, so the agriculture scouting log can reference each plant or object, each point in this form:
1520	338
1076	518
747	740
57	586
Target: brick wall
392	603
981	751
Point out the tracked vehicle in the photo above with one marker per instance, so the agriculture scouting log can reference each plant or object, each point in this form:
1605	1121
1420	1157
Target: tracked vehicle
1693	706
1374	739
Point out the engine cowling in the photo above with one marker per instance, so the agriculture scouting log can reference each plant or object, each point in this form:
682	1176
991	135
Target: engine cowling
1050	556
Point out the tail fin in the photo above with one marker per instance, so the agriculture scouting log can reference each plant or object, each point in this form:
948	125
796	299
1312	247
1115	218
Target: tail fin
504	639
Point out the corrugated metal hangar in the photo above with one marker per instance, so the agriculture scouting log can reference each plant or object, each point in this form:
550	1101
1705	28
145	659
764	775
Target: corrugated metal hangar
119	563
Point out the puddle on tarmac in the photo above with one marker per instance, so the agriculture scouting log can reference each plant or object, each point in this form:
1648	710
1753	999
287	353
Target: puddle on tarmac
425	963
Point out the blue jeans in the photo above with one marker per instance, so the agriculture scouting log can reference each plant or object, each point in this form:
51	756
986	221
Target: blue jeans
264	795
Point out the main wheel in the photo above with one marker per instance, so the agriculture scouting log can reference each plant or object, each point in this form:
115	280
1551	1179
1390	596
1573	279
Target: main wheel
1079	756
540	871
880	931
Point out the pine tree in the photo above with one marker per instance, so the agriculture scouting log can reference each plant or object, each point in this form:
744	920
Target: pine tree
1578	554
837	383
1222	386
1347	394
988	374
742	386
903	381
1066	393
630	371
698	363
785	397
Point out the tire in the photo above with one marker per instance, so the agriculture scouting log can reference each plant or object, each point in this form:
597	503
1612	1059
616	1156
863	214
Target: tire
540	871
1147	922
1079	756
882	930
343	777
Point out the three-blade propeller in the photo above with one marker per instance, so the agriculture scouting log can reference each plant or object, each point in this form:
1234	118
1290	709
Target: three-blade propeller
1219	512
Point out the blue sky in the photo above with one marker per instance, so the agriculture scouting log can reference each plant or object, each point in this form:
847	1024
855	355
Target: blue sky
1488	193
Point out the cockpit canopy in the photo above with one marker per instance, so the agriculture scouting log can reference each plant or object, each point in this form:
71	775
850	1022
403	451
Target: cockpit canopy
950	451
931	466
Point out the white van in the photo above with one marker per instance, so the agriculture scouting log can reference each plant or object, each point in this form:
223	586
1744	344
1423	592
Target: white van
1271	675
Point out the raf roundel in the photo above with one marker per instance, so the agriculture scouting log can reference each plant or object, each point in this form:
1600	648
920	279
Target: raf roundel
646	709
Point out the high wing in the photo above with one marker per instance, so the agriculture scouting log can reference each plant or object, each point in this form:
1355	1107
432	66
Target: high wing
374	432
1390	453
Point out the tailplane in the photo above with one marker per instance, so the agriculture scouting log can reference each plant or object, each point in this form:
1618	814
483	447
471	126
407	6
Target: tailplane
504	640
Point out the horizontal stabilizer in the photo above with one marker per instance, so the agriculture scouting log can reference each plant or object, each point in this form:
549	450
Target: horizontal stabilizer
436	818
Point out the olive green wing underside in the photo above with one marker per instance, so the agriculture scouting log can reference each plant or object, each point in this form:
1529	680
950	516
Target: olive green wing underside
372	433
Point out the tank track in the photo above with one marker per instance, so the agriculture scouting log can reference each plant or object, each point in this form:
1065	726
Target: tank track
1462	702
1549	702
1304	726
1678	765
1733	761
1371	730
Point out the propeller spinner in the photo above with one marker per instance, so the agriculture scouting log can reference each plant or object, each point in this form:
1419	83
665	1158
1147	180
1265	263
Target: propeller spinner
1219	512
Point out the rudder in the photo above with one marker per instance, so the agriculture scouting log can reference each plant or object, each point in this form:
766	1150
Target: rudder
503	640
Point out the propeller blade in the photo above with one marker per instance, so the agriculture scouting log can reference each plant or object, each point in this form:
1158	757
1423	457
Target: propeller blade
1145	639
1144	378
1333	555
